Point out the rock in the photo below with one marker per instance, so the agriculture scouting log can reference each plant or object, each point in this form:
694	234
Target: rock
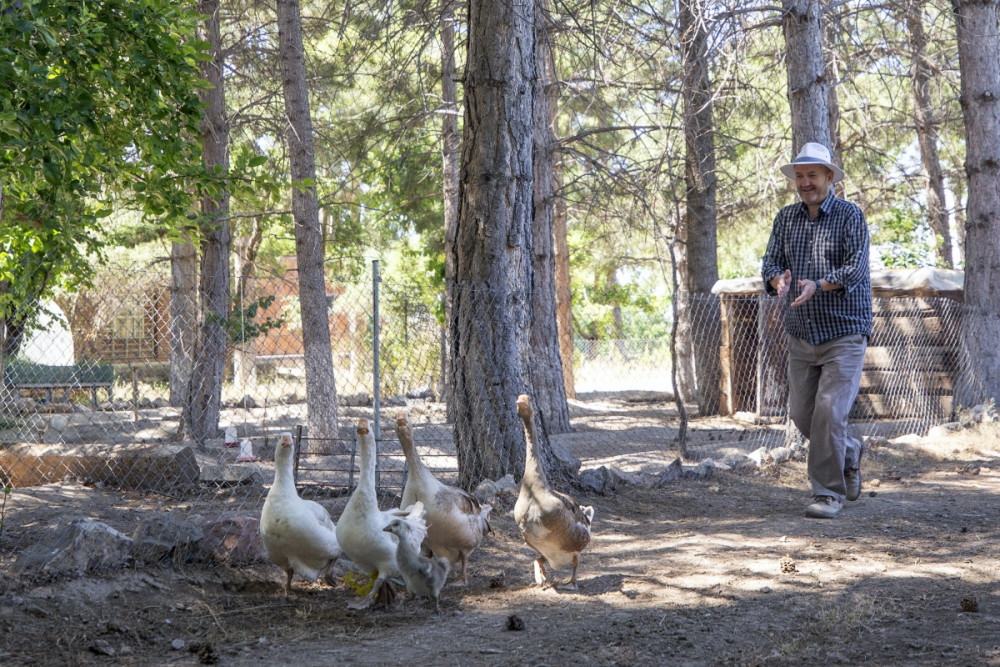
758	455
82	546
500	493
738	463
161	536
485	491
908	439
162	468
747	417
782	454
211	470
944	430
597	480
703	470
101	647
671	473
177	644
563	456
233	540
621	479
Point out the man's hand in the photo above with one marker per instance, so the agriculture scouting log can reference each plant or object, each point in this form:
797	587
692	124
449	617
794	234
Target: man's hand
808	288
781	283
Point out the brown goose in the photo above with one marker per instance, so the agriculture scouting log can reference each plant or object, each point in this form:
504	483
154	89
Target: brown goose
456	522
551	523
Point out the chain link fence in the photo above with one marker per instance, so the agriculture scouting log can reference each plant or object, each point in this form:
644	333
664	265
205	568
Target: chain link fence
90	395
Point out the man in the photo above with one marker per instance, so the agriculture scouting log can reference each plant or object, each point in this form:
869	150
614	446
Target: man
817	258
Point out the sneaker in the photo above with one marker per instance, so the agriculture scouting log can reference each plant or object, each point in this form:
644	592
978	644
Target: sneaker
823	507
852	476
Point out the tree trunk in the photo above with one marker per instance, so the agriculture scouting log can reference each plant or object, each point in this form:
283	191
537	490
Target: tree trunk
564	295
490	324
832	78
205	402
245	352
183	319
449	163
921	72
808	94
321	392
546	363
979	65
700	181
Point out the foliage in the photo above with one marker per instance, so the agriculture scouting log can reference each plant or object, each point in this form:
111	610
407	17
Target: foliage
900	239
98	108
242	325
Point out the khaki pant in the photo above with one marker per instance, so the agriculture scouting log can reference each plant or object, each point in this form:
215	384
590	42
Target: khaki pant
823	383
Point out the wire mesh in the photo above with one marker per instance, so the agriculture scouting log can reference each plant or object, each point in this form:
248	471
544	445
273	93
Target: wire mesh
90	395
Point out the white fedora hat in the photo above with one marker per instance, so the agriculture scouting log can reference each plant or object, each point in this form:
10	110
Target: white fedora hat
813	153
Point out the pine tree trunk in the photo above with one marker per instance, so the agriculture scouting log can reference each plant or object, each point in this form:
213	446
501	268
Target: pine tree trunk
205	402
183	319
979	64
449	162
546	363
490	325
564	295
921	72
321	392
807	86
701	252
245	352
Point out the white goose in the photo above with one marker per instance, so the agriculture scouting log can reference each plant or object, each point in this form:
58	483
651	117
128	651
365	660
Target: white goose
359	529
551	523
298	534
456	522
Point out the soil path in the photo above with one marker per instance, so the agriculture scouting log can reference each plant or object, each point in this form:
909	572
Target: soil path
720	571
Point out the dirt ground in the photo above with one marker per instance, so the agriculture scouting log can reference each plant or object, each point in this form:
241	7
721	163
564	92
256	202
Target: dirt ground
702	572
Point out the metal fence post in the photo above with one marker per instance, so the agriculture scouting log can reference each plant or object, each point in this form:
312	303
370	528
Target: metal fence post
376	392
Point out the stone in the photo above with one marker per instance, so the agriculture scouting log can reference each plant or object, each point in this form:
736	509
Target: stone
758	455
782	454
620	478
101	647
596	480
671	473
161	536
84	545
139	467
233	540
738	462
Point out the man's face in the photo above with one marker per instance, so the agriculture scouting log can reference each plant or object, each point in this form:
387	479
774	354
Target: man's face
812	182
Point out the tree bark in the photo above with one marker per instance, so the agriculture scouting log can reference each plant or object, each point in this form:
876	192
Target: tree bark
921	72
832	78
564	294
245	352
449	164
183	319
701	252
546	363
808	89
205	401
490	324
979	65
321	391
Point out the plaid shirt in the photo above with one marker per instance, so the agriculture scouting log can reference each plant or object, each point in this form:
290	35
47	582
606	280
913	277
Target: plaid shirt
833	247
